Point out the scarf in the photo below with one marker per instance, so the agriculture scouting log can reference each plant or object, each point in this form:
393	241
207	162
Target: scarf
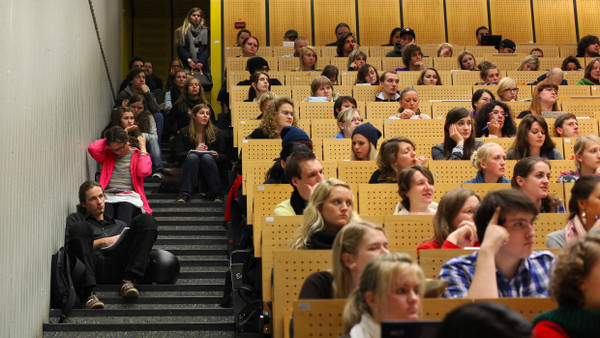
574	229
196	37
297	202
587	76
321	240
367	328
577	322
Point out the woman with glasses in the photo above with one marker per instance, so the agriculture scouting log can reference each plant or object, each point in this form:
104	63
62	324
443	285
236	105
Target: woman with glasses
507	89
494	120
347	120
122	176
544	99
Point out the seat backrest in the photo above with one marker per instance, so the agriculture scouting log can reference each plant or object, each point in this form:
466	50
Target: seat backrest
336	148
525	76
365	93
423	145
585	108
356	172
277	231
544	225
452	171
445	92
407	231
431	260
445	63
377	199
261	204
318	315
527	307
290	269
316	110
382	110
414	128
565	92
439	109
255	174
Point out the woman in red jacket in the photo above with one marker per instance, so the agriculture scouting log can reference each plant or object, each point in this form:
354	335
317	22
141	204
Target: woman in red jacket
453	222
122	175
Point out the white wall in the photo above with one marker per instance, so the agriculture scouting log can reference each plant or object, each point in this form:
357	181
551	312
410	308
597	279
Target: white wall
55	100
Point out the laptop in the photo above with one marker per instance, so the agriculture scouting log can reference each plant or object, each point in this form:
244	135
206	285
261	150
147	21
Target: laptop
491	40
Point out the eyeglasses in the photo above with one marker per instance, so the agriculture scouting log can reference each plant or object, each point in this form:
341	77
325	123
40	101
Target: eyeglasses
496	112
512	90
550	89
118	149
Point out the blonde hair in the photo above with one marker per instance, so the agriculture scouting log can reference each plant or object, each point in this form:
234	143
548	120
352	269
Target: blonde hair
442	46
372	152
530	59
345	117
503	85
181	32
210	135
481	154
462	55
347	241
313	220
379	276
268	96
354	54
303	52
268	123
581	144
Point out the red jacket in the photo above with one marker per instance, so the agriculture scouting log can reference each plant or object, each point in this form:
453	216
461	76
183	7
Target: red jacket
141	166
548	329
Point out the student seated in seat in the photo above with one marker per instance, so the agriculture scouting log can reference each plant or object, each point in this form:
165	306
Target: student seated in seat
544	99
367	75
346	44
489	73
396	153
343	103
566	125
453	224
459	138
490	160
354	246
532	176
341	29
292	139
412	57
575	286
330	208
415	187
364	143
429	77
304	172
348	120
356	59
321	86
279	114
389	88
587	159
466	61
505	265
591	77
391	287
299	43
533	140
260	83
494	120
588	46
409	106
307	59
583	217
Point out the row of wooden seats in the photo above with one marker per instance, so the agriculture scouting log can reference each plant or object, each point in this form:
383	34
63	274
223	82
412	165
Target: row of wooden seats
550	51
462	92
291	268
324	317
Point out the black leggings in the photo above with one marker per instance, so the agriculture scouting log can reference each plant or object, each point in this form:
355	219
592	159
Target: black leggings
122	211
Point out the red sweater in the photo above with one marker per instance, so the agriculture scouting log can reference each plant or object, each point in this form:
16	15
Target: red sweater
141	166
436	245
548	329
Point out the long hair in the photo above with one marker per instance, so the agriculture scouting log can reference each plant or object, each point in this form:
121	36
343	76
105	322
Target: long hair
268	123
520	147
478	94
341	42
453	116
404	92
536	107
405	182
347	241
590	65
143	119
572	266
185	27
303	52
449	207
582	189
380	276
345	117
354	54
422	76
522	169
530	59
581	144
210	136
83	188
362	73
254	79
115	118
462	55
170	83
483	115
313	220
387	157
184	91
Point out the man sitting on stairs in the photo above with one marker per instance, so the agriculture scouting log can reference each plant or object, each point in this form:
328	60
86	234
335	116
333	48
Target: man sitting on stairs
111	251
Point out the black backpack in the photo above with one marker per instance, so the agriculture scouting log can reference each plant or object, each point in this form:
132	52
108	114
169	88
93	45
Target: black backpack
65	270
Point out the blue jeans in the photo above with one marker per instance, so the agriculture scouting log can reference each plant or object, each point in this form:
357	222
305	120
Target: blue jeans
205	163
159	119
153	147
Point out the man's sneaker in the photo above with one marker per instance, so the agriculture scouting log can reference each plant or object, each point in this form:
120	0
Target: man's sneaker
158	175
93	302
182	199
128	290
218	198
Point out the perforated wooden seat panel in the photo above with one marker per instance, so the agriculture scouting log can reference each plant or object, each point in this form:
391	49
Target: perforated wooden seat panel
407	231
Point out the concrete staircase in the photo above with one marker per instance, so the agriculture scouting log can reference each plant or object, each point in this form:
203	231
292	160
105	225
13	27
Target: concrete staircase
195	232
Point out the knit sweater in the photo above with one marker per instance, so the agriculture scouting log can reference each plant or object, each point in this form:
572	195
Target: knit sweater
575	321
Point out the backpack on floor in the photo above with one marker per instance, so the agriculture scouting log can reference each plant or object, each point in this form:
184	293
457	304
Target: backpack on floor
65	270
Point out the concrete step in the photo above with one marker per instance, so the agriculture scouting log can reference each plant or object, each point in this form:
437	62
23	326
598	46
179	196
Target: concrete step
134	334
201	250
178	241
148	288
160	294
185	231
126	319
140	329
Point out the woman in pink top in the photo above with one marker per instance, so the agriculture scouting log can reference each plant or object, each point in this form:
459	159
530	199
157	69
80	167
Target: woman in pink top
122	175
453	224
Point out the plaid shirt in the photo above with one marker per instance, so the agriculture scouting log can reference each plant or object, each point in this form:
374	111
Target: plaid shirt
532	278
